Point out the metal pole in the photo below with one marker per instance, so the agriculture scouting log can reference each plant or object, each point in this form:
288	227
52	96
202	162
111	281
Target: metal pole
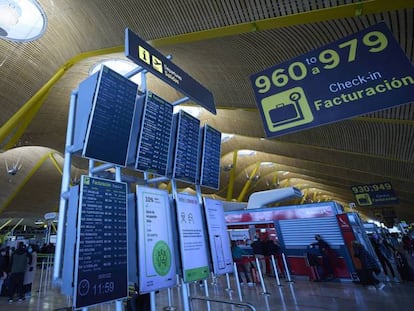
261	277
228	283
65	186
286	268
152	299
185	295
207	294
46	275
213	278
41	278
238	304
275	270
200	202
180	101
236	276
170	306
185	288
101	168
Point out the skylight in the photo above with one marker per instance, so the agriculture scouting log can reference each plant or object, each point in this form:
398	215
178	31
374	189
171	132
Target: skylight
21	20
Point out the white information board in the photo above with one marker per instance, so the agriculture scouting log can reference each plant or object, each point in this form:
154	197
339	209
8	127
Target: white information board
193	246
218	236
156	249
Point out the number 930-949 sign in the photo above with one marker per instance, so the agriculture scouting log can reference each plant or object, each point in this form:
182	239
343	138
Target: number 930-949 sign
356	75
375	194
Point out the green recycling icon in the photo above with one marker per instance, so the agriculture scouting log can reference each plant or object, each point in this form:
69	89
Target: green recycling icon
161	258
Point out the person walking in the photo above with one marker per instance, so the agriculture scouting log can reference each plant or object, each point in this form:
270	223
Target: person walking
385	253
326	252
369	266
19	260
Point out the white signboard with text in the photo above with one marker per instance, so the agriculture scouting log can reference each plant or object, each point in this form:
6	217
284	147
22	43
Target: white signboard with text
156	249
192	238
219	238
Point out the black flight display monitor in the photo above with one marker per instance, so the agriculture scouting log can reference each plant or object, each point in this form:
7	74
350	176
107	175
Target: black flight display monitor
110	122
210	157
101	267
186	159
155	135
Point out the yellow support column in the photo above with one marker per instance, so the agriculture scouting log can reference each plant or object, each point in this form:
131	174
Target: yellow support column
248	182
232	177
305	194
58	168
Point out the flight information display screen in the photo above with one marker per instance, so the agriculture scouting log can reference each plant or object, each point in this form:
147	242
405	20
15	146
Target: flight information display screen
101	268
155	135
186	160
110	122
210	157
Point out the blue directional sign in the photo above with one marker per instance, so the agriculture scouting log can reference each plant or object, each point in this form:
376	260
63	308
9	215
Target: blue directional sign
140	52
362	73
375	194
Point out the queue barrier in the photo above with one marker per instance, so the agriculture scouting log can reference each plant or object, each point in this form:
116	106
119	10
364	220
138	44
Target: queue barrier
223	301
277	264
46	263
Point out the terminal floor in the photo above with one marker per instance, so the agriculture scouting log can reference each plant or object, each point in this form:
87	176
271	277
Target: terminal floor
299	295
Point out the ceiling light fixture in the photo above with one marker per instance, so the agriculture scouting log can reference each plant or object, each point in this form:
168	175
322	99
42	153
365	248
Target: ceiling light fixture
121	66
246	153
226	137
21	20
13	169
194	111
266	164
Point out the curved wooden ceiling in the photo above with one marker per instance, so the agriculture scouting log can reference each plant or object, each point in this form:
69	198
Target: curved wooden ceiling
220	44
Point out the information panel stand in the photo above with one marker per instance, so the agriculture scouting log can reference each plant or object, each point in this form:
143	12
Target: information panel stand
100	270
101	266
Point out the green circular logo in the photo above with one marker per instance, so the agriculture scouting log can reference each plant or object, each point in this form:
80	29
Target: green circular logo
161	258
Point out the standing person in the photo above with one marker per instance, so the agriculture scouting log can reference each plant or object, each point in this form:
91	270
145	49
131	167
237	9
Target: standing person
271	247
326	253
30	271
237	254
369	265
258	251
316	270
3	267
19	260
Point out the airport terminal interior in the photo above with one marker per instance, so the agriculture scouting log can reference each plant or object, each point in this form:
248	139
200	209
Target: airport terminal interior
298	295
283	119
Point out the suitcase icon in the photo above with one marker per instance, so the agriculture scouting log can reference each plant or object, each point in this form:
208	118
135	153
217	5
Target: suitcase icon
287	112
286	109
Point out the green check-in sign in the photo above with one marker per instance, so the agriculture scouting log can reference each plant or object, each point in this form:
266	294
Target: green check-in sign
362	73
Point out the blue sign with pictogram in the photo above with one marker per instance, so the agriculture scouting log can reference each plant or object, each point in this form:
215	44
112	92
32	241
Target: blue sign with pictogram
362	73
381	193
146	56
